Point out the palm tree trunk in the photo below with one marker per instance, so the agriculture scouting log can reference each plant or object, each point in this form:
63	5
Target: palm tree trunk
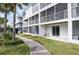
5	22
14	20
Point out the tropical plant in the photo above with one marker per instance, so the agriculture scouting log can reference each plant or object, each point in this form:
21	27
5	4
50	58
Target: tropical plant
14	20
5	8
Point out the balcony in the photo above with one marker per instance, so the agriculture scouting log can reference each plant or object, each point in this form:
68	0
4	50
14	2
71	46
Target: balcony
34	19
62	14
31	22
55	16
34	29
35	8
42	5
25	22
25	29
75	12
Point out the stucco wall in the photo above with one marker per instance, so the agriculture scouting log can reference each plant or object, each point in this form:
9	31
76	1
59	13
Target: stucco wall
63	29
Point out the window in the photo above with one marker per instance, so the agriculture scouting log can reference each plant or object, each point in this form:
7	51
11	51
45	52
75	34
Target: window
25	29
60	15
55	30
34	30
61	11
43	16
75	4
75	9
36	18
61	7
37	29
35	7
43	13
50	10
42	5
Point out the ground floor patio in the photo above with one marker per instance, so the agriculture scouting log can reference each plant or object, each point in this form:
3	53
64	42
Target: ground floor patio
61	30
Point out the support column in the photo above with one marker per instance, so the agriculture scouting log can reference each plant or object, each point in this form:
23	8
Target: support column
28	25
39	21
69	23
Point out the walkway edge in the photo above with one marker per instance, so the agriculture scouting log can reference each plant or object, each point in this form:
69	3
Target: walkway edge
35	47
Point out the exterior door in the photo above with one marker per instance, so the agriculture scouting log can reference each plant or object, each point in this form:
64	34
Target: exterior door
55	30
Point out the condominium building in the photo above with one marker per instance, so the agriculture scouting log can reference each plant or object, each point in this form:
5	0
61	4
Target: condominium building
53	19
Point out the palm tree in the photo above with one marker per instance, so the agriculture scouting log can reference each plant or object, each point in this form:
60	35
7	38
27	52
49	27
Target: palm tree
14	20
5	8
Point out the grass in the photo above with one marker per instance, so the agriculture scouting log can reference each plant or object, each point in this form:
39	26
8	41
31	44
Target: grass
20	49
10	47
55	47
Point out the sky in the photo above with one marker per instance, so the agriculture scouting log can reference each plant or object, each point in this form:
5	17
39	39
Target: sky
10	15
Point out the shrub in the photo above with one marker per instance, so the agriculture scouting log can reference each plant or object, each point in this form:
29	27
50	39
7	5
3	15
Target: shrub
1	42
6	40
10	42
7	36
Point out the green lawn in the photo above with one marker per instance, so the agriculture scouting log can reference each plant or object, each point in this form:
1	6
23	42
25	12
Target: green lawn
20	49
55	47
10	47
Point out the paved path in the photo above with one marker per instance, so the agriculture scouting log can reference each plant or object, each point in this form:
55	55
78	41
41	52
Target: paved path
36	48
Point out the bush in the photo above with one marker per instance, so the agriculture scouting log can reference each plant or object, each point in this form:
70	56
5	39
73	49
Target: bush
7	36
6	40
10	42
1	42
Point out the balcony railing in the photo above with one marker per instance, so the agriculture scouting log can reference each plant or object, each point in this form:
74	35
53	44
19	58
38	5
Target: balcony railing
25	23
31	21
62	14
35	21
59	15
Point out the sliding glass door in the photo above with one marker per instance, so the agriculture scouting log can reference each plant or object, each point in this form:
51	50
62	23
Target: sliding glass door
55	30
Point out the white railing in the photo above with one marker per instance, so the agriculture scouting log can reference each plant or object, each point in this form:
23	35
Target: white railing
62	14
35	21
25	23
59	15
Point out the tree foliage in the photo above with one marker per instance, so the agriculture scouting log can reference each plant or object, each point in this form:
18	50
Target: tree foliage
1	20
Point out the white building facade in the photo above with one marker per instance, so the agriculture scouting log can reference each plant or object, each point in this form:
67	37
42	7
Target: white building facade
53	19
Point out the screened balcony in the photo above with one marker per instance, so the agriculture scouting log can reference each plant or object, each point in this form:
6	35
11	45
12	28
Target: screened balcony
42	5
25	29
25	22
34	29
31	20
43	16
75	9
62	15
35	7
34	19
20	24
56	12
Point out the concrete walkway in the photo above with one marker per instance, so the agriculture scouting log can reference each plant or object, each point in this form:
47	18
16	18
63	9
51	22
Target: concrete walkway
36	48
